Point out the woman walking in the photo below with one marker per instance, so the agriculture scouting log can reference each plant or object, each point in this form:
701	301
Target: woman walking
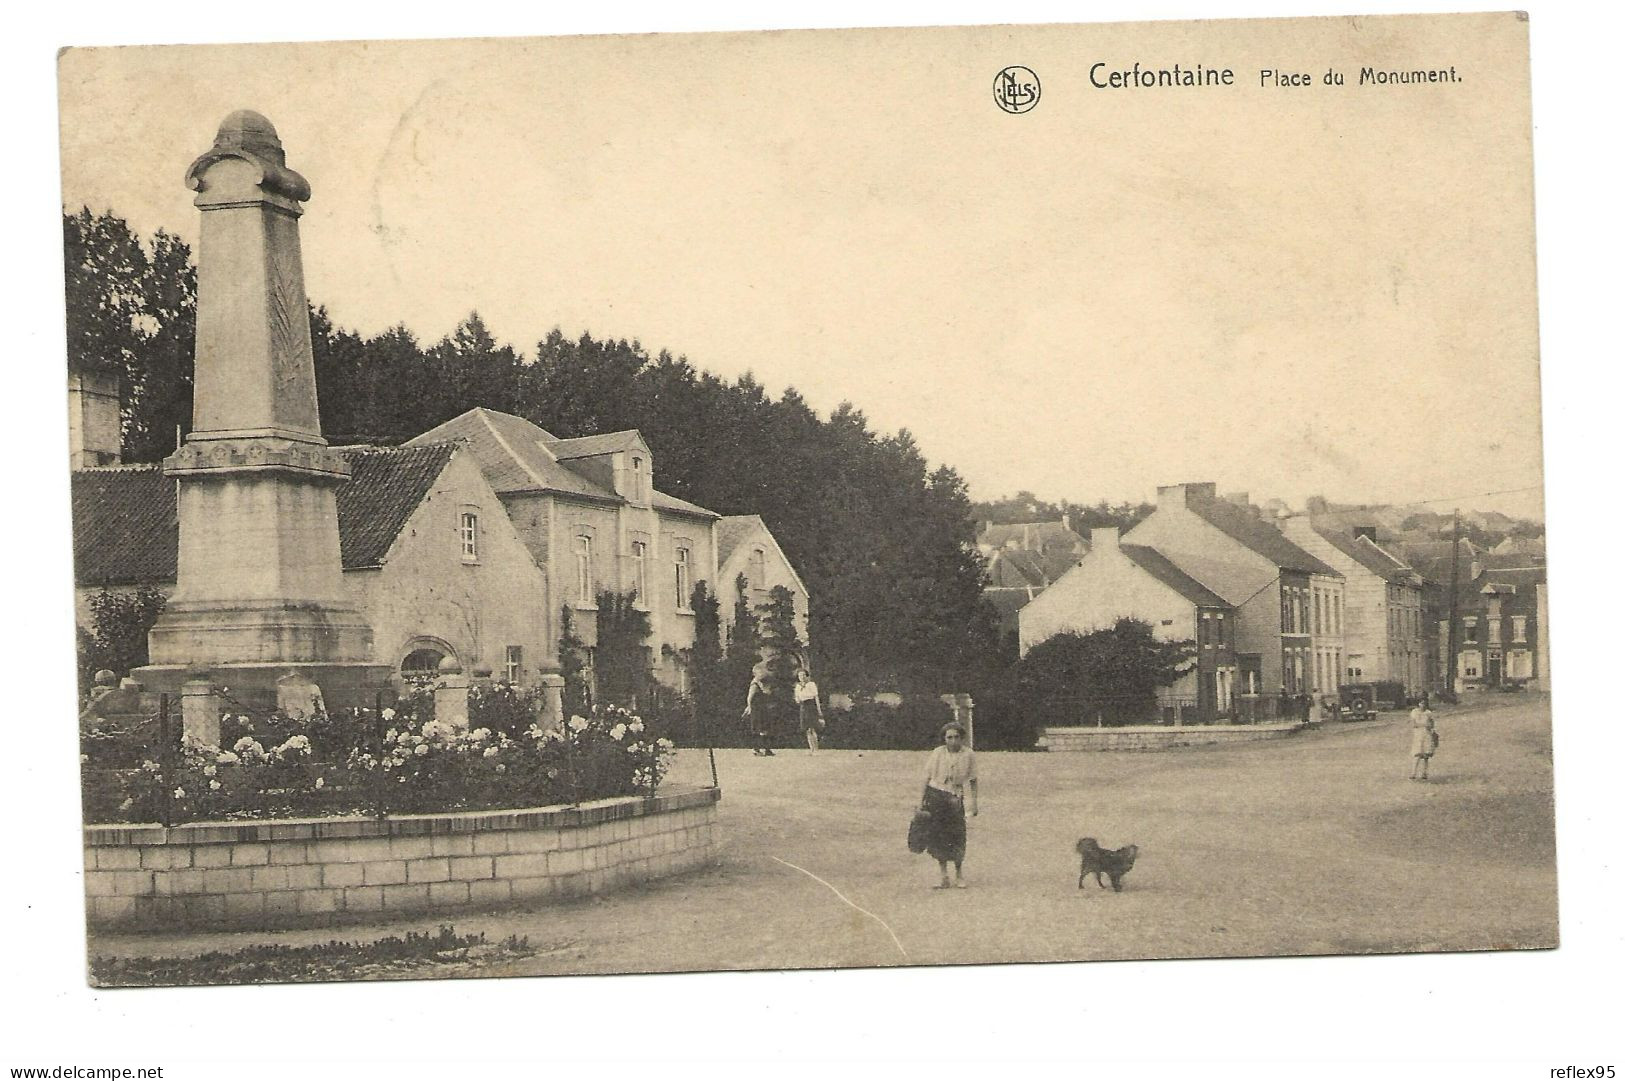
758	720
950	770
809	708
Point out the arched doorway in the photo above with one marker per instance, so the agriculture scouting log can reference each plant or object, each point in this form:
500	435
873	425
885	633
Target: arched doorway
420	666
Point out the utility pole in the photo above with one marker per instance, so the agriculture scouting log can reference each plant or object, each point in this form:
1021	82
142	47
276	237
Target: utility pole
1455	571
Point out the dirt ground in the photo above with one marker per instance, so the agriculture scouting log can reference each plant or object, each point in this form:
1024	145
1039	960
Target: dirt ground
1315	844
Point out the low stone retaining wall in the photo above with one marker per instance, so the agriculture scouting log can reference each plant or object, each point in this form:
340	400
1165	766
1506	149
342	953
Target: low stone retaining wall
286	872
1158	737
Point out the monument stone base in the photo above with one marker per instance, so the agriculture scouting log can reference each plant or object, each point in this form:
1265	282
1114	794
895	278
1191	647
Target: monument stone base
230	632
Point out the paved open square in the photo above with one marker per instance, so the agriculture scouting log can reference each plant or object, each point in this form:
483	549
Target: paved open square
1316	844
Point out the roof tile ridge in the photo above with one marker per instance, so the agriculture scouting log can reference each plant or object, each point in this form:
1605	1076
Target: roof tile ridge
508	448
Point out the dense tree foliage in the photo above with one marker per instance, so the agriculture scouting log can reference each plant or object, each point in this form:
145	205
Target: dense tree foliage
884	543
132	307
623	661
117	637
573	668
1112	674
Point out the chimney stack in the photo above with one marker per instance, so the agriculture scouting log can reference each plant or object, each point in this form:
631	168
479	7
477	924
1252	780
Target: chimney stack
93	420
1183	495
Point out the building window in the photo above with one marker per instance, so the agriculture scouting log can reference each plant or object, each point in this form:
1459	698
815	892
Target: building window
513	664
1495	631
468	531
640	572
1320	621
1520	628
758	570
1471	663
680	561
637	479
1470	628
584	583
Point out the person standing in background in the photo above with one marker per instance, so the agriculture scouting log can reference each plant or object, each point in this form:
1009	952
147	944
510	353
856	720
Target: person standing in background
808	708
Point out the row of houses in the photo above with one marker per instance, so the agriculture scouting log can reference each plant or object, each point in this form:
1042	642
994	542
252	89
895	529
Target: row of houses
466	543
1279	605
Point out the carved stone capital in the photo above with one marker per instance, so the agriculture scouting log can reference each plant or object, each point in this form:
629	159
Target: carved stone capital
247	136
258	453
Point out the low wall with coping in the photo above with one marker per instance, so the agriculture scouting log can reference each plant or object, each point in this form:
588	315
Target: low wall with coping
287	872
1159	737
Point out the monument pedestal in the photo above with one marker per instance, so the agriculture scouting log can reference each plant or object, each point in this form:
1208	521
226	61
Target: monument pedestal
260	611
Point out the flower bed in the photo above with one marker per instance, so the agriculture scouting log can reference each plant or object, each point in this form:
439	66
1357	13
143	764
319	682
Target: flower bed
399	761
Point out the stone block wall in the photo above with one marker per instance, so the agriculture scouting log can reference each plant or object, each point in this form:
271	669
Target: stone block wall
290	872
1158	737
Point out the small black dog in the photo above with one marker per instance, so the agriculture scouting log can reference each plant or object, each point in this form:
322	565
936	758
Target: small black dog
1097	861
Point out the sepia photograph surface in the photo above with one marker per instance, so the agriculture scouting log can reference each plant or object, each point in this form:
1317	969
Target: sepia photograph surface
759	500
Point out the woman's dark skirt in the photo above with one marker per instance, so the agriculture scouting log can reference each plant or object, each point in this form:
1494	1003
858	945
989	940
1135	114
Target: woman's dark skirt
946	841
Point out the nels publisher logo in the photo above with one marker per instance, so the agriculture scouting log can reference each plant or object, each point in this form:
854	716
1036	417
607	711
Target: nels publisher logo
1015	89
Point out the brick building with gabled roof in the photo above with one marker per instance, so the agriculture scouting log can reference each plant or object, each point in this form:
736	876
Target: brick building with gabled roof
1274	585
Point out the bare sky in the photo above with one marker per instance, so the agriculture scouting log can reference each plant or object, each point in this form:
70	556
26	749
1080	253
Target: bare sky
1287	291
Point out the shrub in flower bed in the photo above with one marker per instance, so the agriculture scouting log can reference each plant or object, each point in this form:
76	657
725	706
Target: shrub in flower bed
434	767
501	707
120	744
269	767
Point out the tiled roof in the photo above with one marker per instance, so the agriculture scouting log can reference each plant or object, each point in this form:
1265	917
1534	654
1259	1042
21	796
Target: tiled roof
1513	560
732	531
588	445
516	456
1056	561
1260	536
662	501
386	485
1163	570
512	454
1431	559
124	526
1367	554
125	529
1040	533
1523	579
1015	568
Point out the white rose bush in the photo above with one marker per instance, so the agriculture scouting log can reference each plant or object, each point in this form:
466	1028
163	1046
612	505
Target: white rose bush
402	761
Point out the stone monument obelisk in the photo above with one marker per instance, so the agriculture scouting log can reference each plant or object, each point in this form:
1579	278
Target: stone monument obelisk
259	595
